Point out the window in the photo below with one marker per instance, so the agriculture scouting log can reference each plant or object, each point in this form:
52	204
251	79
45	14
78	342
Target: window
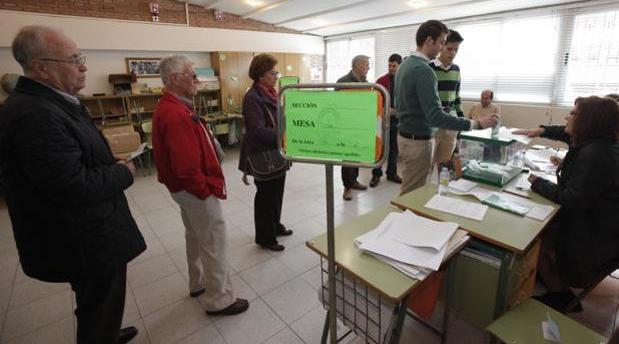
341	52
591	66
514	57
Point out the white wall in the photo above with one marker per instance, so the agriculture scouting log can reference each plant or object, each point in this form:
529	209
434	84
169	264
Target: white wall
107	42
529	116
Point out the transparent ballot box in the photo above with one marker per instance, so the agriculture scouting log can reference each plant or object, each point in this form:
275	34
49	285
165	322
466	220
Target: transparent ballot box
488	158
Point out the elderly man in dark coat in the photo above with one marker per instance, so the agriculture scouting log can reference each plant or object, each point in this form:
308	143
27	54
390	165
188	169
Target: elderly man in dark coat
64	188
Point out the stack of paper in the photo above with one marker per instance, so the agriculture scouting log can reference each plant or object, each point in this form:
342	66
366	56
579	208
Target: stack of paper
412	244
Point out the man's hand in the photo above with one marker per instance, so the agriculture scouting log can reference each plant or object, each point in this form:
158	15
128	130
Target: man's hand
532	178
488	120
533	132
129	165
392	111
555	160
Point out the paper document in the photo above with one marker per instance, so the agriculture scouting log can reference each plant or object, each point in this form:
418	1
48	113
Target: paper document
497	200
137	152
462	185
507	134
540	212
471	210
418	231
550	329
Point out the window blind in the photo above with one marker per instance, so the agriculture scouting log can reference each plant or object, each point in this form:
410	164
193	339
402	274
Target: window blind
341	52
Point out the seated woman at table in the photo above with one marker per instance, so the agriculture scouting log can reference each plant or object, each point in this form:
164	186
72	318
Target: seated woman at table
582	244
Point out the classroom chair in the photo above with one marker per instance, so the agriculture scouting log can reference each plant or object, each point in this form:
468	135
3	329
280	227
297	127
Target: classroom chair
523	324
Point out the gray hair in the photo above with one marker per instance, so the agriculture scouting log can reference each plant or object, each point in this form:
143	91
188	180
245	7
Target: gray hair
489	91
358	59
172	64
31	43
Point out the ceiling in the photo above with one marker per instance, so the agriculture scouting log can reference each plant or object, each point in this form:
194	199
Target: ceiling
333	17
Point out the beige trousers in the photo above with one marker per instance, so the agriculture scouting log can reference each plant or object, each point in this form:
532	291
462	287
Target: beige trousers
207	261
416	156
445	145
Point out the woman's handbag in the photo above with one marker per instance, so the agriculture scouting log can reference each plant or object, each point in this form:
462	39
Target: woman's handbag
269	164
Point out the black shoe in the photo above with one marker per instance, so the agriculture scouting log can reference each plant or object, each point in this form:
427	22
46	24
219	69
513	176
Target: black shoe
285	232
273	247
238	306
396	179
196	293
375	180
559	301
126	334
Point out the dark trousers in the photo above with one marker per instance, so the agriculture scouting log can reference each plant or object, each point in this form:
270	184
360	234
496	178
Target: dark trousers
100	304
349	176
392	158
268	210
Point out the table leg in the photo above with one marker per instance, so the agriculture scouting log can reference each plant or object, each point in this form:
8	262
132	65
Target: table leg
325	330
501	294
397	322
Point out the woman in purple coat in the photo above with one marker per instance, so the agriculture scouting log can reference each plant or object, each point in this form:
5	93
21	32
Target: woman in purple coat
260	115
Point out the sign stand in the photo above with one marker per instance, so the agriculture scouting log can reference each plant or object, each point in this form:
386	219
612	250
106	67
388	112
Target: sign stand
335	157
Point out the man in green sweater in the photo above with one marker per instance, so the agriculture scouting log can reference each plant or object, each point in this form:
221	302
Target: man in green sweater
448	76
419	108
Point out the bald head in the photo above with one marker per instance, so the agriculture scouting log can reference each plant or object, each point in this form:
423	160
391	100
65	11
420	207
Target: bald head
47	55
486	97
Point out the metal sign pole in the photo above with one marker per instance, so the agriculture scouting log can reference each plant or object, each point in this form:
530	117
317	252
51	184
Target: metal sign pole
331	253
330	323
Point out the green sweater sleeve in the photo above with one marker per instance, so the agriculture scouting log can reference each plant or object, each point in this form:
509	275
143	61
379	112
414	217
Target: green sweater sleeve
431	104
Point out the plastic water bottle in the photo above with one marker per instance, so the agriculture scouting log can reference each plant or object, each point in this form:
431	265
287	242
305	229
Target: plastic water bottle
443	181
518	159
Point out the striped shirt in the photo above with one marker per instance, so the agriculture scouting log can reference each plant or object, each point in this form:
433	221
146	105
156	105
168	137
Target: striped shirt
448	87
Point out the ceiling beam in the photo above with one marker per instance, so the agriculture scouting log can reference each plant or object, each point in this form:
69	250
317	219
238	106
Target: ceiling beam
389	15
315	14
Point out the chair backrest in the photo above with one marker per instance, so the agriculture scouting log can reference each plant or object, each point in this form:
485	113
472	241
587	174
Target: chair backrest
147	129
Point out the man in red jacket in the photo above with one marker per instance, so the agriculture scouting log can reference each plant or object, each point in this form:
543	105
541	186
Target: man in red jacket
187	163
387	81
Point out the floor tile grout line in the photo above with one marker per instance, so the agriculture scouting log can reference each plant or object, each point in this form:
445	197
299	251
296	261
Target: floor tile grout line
6	311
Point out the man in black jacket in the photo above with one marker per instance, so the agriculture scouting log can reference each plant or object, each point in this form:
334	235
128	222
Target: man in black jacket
64	188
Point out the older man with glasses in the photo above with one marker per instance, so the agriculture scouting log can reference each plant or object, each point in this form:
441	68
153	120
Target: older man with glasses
188	163
65	189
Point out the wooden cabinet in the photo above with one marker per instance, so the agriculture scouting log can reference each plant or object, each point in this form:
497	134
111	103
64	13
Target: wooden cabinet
207	103
107	110
233	71
142	107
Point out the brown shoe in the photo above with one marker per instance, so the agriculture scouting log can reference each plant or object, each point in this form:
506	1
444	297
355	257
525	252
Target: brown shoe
238	306
347	194
359	186
375	180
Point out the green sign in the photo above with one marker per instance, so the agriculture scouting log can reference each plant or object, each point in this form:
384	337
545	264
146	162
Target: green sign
288	80
331	125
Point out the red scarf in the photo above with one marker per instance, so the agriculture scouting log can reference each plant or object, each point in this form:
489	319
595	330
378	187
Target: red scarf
269	92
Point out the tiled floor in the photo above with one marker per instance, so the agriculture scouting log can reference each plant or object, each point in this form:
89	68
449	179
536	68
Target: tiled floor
282	287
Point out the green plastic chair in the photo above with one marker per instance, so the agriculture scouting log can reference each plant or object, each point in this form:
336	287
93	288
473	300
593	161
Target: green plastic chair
523	324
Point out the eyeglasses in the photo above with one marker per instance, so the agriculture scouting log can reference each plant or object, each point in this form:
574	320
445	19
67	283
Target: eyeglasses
275	73
79	60
193	76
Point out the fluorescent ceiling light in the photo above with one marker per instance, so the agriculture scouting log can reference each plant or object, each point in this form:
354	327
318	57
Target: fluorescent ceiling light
417	4
254	3
319	22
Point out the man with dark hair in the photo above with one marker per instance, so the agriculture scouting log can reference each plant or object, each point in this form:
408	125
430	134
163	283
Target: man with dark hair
448	76
387	81
358	73
419	109
64	188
